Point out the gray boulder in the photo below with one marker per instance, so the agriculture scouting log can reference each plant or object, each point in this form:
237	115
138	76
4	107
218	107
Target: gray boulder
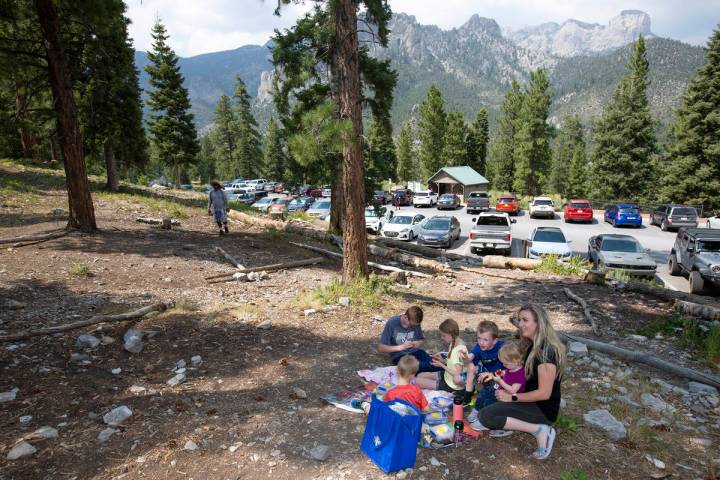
21	450
320	453
604	420
118	415
133	341
105	435
87	341
577	348
697	387
656	403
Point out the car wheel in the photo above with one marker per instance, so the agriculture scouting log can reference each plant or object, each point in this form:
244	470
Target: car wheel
614	222
707	224
664	226
697	283
411	236
673	265
652	219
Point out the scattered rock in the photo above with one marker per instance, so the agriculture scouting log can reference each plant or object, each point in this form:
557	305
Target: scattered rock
399	277
133	341
196	360
656	403
87	341
604	420
15	305
137	389
344	301
21	450
105	435
59	212
627	400
378	318
180	364
701	442
638	338
299	393
658	463
118	415
233	448
646	422
9	396
664	386
240	277
309	312
26	419
435	462
264	325
696	387
116	371
190	445
80	358
42	433
177	379
105	340
257	276
320	453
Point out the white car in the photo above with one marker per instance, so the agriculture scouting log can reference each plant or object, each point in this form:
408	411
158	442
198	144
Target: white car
403	227
425	198
542	207
373	220
713	222
549	241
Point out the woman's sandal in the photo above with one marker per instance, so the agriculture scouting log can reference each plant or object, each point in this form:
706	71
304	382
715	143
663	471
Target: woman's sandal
544	452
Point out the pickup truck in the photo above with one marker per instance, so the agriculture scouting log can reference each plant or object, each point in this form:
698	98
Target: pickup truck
697	253
491	231
478	202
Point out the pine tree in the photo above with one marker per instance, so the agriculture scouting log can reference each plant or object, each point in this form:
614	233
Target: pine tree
248	150
225	139
477	142
693	161
204	169
624	138
570	135
274	152
171	126
454	151
532	138
501	166
380	158
407	166
431	132
577	182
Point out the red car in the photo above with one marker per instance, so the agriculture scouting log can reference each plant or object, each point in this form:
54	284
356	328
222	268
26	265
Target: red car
508	204
578	210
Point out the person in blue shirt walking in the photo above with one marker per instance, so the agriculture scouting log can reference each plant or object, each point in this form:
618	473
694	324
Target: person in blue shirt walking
402	335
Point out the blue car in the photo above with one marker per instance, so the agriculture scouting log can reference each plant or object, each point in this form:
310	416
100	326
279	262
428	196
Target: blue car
623	214
300	204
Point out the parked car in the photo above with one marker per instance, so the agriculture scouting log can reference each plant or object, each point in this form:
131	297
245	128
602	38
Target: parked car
326	191
542	207
548	241
382	197
279	187
578	210
235	195
373	220
478	202
186	186
269	186
314	192
424	198
257	184
696	252
448	201
300	204
403	227
279	206
251	197
439	231
620	252
402	197
492	231
674	216
263	204
508	204
320	209
713	222
623	214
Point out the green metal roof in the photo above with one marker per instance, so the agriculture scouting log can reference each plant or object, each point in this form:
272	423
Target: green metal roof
463	175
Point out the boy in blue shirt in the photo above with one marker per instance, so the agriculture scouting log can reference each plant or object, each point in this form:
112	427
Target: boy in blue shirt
482	363
402	335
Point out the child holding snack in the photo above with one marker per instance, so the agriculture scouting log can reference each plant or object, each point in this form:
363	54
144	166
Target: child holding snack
452	378
483	360
407	368
511	379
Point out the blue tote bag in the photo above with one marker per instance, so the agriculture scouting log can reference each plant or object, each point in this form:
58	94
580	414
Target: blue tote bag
390	439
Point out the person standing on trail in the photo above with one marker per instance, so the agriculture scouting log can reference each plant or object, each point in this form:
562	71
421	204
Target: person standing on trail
218	205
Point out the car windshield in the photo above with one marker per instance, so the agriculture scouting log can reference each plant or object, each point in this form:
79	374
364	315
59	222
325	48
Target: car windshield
264	200
579	205
321	206
400	193
437	224
422	194
684	211
447	196
379	194
296	202
281	201
552	236
401	220
478	195
708	245
492	220
620	245
506	200
543	202
370	212
630	211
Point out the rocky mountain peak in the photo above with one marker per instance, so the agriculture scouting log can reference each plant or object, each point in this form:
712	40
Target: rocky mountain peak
478	23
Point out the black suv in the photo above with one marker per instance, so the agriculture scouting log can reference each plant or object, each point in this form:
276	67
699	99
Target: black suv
674	216
697	253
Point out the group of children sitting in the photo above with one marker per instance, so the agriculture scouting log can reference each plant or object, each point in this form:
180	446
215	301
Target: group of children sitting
492	364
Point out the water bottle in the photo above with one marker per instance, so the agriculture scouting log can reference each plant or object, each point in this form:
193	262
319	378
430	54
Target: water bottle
457	410
458	434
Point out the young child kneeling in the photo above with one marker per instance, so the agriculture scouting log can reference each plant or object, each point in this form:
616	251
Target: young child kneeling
407	368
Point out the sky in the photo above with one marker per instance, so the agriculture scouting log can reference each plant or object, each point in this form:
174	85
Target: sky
203	26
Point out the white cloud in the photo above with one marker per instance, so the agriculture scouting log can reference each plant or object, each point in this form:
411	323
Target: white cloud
211	25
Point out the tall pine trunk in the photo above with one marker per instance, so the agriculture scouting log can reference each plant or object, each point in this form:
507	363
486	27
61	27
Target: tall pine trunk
82	212
337	200
353	177
53	147
113	181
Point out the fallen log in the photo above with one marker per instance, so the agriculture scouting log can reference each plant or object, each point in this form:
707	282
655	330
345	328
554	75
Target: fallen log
408	259
386	268
411	247
663	293
229	257
141	312
705	312
269	268
35	238
643	357
157	221
586	309
499	261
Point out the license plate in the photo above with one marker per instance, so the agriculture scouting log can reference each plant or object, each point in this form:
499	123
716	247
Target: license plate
683	218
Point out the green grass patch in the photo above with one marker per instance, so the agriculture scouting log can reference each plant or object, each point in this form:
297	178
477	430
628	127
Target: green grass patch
567	422
241	207
575	474
300	215
364	294
625	277
184	304
577	266
80	269
272	234
702	341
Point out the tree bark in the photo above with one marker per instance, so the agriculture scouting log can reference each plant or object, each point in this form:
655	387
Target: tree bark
82	212
336	201
355	259
113	181
53	147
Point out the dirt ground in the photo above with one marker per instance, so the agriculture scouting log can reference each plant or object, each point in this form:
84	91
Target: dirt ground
238	406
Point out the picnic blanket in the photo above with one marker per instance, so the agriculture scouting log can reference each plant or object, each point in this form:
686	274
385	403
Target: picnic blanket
388	375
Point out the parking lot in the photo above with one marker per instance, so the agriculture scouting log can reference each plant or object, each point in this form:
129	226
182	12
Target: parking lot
578	234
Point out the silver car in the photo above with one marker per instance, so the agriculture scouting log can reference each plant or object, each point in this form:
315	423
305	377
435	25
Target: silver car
622	253
320	209
439	231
